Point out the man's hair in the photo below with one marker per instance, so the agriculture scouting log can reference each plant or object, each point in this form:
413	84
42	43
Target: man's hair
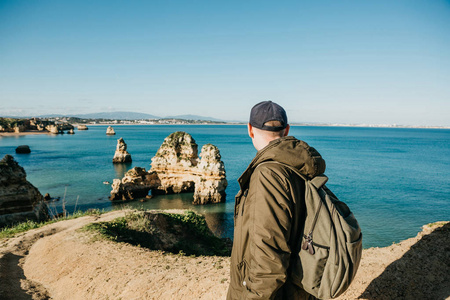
273	124
275	134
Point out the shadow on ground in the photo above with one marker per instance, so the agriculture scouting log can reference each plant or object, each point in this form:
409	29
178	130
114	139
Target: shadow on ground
11	275
421	273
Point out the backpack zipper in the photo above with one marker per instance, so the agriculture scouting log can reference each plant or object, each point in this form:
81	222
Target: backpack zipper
308	244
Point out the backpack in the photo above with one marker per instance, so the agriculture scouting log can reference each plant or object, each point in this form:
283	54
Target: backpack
331	247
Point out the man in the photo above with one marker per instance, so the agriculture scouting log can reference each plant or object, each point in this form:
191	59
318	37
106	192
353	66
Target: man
270	208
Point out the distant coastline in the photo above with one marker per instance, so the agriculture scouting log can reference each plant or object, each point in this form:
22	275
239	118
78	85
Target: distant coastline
72	122
292	124
35	132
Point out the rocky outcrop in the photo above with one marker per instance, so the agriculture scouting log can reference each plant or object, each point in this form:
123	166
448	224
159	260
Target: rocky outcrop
20	128
65	126
110	131
210	187
175	163
70	131
121	155
19	200
82	127
136	183
176	168
23	149
33	124
55	129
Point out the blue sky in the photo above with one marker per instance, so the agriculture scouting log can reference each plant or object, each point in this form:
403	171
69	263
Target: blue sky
372	62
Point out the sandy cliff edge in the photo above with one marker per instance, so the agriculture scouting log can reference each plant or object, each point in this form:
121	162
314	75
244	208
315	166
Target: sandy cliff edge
59	262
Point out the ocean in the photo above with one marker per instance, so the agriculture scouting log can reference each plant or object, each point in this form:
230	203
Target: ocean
393	179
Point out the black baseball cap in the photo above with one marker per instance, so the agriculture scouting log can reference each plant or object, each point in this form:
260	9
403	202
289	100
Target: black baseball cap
268	111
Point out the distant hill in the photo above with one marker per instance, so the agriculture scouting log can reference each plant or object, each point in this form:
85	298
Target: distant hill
116	115
127	115
193	117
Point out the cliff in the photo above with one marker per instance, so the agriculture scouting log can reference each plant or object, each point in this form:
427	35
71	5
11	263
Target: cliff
19	200
33	124
176	168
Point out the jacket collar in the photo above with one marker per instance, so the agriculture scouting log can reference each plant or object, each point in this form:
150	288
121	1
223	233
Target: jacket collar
288	150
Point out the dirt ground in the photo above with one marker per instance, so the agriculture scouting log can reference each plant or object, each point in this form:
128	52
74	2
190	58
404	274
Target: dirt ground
58	261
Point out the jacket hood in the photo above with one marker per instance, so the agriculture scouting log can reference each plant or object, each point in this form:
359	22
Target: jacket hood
290	151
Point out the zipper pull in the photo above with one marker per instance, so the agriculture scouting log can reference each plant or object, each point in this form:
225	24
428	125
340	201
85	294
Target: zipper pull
307	244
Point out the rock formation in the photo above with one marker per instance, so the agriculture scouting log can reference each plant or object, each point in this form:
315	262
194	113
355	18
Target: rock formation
23	149
110	131
176	168
55	129
175	162
210	187
20	128
136	183
19	200
71	131
82	127
33	124
121	155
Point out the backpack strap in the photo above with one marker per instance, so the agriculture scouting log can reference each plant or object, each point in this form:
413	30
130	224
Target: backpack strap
317	182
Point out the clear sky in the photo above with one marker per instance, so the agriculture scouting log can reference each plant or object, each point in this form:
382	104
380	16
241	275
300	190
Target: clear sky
372	62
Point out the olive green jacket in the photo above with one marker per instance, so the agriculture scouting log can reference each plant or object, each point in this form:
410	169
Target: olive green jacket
268	219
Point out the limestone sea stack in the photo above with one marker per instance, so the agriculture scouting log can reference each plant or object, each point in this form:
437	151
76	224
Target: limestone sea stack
70	131
176	168
19	199
121	155
82	127
110	131
136	183
210	187
175	163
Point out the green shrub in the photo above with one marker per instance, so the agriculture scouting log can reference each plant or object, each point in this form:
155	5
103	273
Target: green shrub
11	231
182	234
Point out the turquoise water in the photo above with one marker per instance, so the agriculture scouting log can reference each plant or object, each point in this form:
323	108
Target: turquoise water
394	180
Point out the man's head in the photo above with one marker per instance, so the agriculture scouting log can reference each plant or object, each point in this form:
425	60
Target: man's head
268	121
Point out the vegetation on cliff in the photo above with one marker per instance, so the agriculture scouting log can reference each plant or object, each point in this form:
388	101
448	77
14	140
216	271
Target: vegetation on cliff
179	233
11	231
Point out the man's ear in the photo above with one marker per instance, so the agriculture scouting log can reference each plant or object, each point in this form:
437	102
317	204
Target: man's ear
250	130
286	130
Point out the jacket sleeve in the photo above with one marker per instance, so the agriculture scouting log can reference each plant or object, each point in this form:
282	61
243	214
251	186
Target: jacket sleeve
271	215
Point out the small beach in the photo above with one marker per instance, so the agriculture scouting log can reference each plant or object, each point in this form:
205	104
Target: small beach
14	134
